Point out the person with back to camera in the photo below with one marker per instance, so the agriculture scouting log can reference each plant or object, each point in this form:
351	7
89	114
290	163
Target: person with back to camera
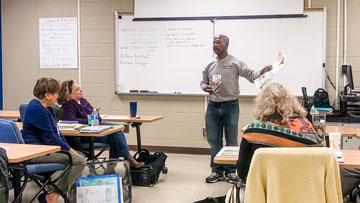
285	121
40	127
221	81
280	121
76	108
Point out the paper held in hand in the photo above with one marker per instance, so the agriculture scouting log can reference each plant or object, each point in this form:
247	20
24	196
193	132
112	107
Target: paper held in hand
269	76
216	81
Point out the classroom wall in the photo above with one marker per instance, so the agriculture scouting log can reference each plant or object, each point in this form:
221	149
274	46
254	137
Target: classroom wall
183	116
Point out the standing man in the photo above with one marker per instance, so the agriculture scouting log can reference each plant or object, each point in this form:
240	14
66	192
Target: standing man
221	81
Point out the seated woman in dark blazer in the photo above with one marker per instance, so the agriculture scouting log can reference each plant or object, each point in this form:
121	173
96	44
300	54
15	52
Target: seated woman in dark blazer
40	127
76	108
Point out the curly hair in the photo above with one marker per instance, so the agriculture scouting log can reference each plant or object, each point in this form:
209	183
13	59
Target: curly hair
45	85
275	99
65	92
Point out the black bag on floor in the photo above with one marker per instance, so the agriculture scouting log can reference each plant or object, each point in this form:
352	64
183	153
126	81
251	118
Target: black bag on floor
148	174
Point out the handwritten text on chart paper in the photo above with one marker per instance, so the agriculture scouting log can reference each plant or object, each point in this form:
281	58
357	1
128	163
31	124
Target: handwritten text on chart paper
58	42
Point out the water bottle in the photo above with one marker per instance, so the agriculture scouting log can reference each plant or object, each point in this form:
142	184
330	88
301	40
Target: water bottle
94	118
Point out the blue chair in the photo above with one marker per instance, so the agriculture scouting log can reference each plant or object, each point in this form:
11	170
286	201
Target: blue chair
39	173
22	110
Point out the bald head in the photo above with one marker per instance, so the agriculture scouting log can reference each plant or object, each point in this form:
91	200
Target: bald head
220	46
224	38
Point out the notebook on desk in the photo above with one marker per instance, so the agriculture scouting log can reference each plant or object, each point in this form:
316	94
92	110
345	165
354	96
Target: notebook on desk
94	129
70	127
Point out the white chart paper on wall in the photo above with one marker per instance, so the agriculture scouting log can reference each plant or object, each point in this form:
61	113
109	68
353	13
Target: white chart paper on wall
58	42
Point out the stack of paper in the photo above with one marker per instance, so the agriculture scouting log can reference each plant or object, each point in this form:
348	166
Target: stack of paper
67	122
228	151
94	129
70	127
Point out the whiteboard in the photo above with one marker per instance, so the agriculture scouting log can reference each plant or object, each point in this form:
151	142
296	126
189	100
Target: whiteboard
202	8
58	42
153	55
162	56
258	41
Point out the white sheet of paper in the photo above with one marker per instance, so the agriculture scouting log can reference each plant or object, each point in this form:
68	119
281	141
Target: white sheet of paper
101	193
270	76
114	117
58	42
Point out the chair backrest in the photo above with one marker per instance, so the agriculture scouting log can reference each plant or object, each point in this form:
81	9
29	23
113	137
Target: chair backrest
22	110
293	175
10	132
58	111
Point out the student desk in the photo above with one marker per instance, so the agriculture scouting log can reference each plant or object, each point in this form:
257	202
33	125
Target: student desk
351	159
135	123
9	114
345	131
113	129
21	152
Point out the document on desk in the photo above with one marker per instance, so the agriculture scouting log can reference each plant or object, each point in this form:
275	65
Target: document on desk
269	76
228	152
70	127
94	129
114	117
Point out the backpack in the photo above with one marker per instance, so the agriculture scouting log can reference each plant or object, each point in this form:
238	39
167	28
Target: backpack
148	174
4	175
321	98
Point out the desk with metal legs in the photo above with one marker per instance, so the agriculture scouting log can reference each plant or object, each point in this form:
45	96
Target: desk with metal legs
135	123
18	153
113	129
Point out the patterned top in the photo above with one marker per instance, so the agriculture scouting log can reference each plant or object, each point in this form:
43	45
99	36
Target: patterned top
298	132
